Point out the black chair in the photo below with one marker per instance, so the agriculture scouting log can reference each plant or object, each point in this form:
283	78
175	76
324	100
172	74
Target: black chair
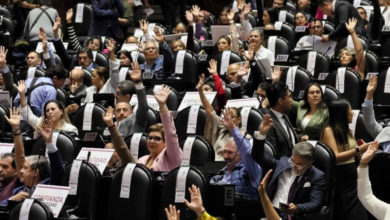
5	128
366	3
97	125
343	43
328	27
61	96
254	119
325	160
205	32
87	76
352	84
252	19
290	5
181	123
287	31
140	57
290	16
211	20
101	59
5	12
138	205
195	177
190	69
322	64
38	210
201	152
282	46
372	62
361	131
382	99
142	147
379	177
173	98
82	29
85	202
331	94
66	144
302	79
197	46
234	58
7	25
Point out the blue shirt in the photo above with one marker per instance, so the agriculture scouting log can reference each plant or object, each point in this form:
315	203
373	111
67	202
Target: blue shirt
155	71
246	174
39	96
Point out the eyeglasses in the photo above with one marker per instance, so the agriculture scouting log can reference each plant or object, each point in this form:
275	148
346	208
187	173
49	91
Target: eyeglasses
154	138
150	48
298	166
314	92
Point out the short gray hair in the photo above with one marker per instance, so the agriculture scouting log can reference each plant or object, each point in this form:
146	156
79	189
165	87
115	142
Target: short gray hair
304	150
153	41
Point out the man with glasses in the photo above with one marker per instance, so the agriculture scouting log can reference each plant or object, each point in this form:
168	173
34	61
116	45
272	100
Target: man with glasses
296	187
156	66
306	42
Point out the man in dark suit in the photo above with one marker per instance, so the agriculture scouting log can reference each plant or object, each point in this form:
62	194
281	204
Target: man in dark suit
296	187
341	12
282	135
105	22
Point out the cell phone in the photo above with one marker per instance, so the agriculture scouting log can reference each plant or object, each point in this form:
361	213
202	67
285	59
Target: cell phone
283	205
360	142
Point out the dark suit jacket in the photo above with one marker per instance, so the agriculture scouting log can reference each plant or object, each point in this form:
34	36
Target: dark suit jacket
278	136
309	194
106	13
342	12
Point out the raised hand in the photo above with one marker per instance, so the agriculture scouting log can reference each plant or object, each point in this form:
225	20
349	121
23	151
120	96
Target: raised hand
110	45
56	26
212	67
351	25
189	17
46	129
143	25
264	181
249	55
69	15
172	213
42	36
371	87
276	74
266	124
107	117
240	5
136	76
200	83
370	153
21	87
230	15
162	96
158	35
227	120
196	203
243	69
195	11
3	57
14	118
246	10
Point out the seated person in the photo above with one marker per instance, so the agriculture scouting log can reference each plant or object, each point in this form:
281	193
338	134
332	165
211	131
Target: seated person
241	170
300	19
373	127
295	181
8	176
76	90
279	3
256	50
162	142
304	43
53	111
31	170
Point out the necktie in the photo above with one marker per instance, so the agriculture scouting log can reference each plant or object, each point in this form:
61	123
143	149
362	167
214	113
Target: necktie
293	188
289	130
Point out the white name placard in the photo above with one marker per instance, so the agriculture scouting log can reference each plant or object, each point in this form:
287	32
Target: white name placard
52	196
6	148
99	157
193	98
238	103
153	104
181	184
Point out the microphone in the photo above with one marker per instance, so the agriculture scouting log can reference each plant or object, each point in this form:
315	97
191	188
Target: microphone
88	155
330	47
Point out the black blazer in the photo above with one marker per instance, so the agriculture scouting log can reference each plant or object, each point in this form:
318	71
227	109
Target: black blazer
278	136
342	12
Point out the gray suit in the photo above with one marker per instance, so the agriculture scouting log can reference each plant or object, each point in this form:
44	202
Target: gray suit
376	130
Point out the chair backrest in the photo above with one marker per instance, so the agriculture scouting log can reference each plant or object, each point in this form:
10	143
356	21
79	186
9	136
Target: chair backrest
101	59
282	46
197	46
189	72
254	119
344	42
201	152
173	98
379	177
211	20
331	94
234	58
302	79
5	12
290	16
140	56
66	144
366	3
325	160
88	189
97	125
8	25
352	84
328	27
38	210
380	97
361	131
181	123
142	147
138	205
61	96
291	6
204	32
252	19
87	76
4	126
88	14
372	62
195	177
269	150
322	64
287	31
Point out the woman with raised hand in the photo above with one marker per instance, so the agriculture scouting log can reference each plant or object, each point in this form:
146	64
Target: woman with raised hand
53	111
162	142
34	169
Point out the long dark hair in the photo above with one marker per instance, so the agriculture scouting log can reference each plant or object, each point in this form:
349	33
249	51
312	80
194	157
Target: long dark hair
306	105
338	122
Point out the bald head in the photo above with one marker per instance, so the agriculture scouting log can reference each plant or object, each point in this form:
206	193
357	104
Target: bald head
231	72
76	76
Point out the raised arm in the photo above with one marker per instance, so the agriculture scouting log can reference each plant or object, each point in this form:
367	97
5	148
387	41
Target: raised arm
119	144
373	127
258	152
360	58
7	75
114	64
233	31
244	18
27	113
269	210
14	122
71	32
190	30
143	106
62	53
48	55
